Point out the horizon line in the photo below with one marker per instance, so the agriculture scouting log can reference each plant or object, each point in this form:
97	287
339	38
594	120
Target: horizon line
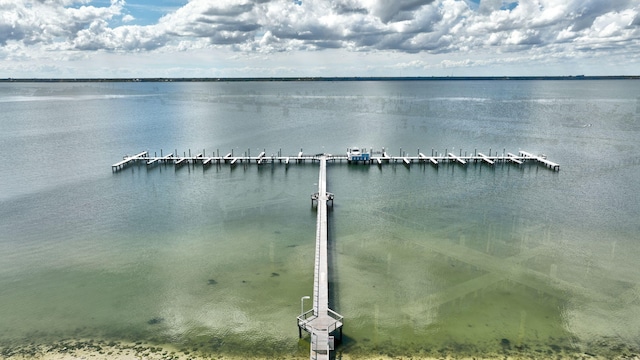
320	78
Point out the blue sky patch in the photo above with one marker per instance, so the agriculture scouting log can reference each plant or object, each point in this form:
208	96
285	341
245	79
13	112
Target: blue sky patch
148	12
509	6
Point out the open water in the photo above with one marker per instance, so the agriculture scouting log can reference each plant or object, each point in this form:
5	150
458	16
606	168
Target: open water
425	261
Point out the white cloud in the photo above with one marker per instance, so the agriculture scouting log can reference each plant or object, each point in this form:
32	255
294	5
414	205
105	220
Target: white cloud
35	22
613	24
462	29
128	18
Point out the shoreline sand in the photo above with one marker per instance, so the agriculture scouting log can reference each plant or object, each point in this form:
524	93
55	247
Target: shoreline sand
121	350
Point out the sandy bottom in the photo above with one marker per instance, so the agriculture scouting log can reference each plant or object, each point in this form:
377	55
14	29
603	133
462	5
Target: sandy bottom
117	350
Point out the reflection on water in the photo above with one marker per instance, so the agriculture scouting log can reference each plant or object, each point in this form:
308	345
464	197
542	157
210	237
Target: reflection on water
426	261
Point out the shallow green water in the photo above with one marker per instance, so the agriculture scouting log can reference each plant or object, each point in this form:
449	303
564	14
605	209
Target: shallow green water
424	260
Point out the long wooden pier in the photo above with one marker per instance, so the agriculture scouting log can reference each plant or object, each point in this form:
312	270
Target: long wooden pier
321	322
379	158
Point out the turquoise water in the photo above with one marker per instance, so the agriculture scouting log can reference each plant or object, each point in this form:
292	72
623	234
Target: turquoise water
425	261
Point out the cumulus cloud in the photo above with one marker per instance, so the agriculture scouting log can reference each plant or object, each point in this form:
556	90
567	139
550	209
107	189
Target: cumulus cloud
397	10
128	18
33	22
271	26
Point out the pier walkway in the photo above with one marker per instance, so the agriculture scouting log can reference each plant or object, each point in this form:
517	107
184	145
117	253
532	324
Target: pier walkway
321	322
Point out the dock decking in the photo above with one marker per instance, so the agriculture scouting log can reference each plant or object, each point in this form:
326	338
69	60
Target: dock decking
129	159
379	159
321	322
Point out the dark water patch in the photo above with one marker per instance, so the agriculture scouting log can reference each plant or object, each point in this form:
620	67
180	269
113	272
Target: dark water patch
556	348
505	343
155	321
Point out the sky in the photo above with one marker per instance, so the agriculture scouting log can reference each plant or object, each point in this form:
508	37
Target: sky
296	38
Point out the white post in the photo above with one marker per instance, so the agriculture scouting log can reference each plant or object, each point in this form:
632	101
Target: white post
302	299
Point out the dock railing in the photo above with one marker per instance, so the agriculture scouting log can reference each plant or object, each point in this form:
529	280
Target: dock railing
304	318
337	323
308	316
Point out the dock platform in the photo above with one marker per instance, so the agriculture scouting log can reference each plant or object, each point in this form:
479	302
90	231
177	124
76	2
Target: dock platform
380	158
129	159
541	159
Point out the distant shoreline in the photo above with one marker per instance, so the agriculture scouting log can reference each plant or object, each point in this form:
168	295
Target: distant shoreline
354	78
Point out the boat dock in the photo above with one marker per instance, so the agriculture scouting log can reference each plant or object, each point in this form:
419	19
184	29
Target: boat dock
321	322
129	159
379	158
541	159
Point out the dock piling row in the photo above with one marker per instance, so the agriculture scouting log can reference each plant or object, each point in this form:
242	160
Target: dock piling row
379	158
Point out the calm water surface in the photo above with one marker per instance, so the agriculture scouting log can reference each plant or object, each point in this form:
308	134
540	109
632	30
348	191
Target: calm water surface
425	261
